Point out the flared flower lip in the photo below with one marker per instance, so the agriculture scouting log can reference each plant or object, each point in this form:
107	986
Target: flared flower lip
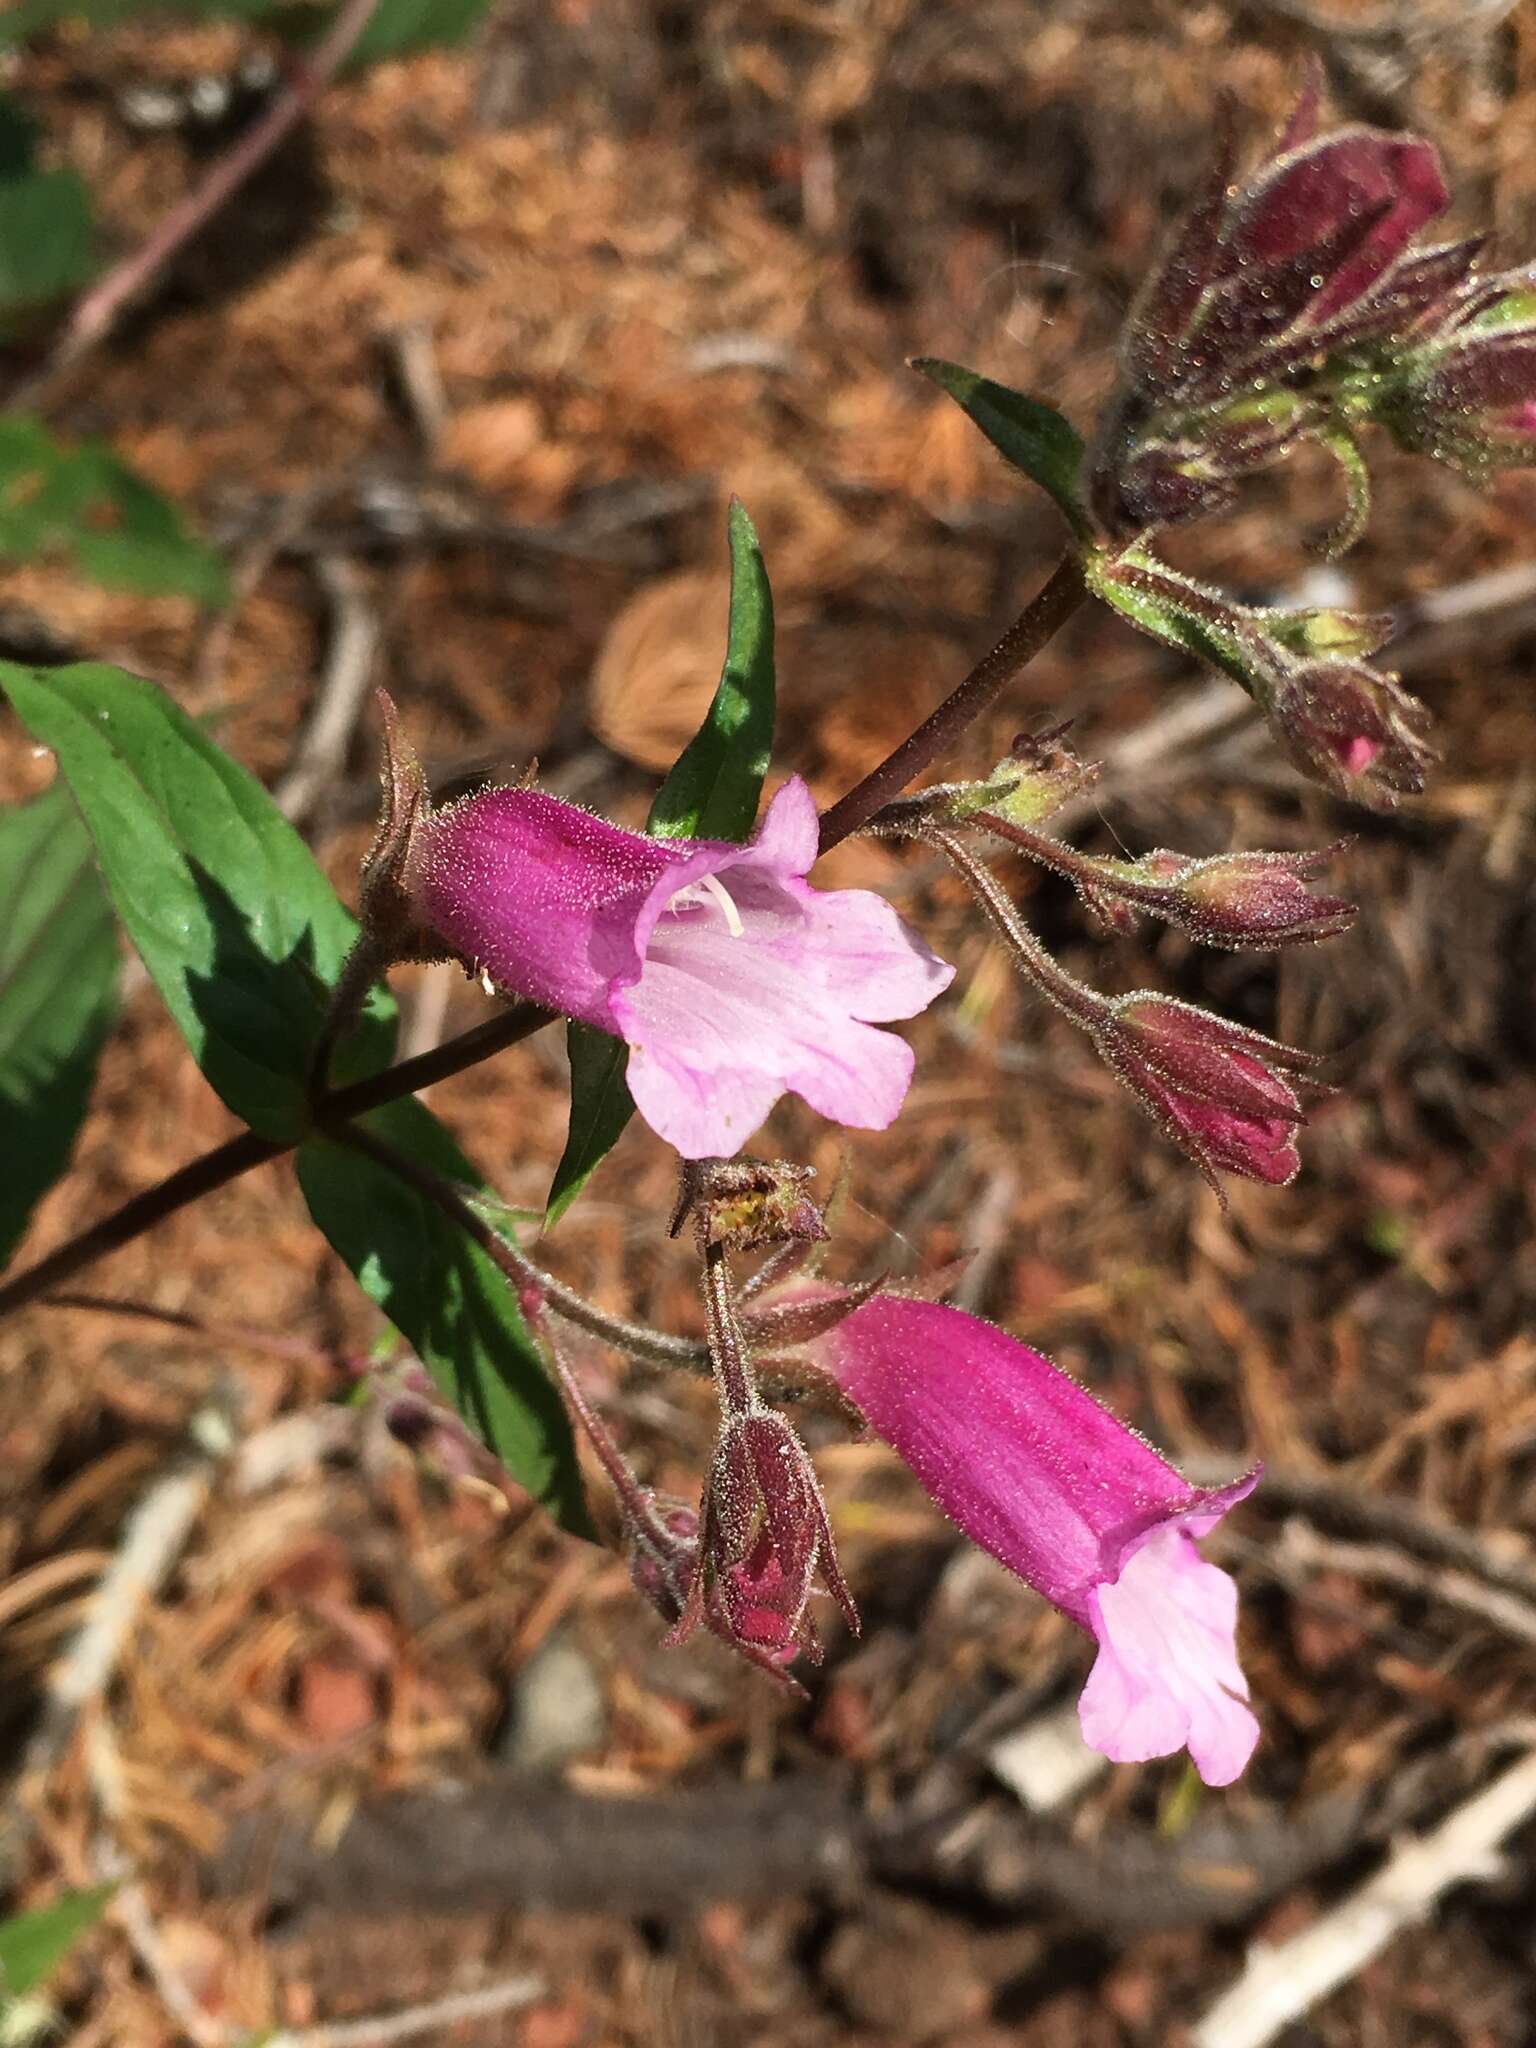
1199	1516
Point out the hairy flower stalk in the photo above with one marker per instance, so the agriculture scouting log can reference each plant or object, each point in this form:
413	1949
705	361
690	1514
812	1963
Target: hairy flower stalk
729	977
661	1537
1040	1474
1223	1094
1344	723
1226	899
765	1535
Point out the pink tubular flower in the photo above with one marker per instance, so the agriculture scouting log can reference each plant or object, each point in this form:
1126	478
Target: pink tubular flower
1220	1092
730	978
1037	1472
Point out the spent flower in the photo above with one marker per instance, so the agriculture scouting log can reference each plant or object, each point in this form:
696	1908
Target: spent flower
1043	1476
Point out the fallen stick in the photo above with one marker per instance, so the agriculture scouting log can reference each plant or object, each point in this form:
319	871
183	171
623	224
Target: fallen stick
1283	1980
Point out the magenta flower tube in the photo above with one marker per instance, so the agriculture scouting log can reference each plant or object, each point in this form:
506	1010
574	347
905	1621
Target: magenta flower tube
730	978
1040	1474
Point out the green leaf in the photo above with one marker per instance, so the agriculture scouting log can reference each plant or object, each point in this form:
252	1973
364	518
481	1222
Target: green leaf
1032	436
601	1107
34	1944
86	505
453	1306
713	788
398	27
47	244
58	983
712	792
241	932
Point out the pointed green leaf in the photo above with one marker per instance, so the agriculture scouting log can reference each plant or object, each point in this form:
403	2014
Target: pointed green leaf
241	932
1032	436
85	505
58	982
32	1945
452	1305
712	792
713	788
601	1106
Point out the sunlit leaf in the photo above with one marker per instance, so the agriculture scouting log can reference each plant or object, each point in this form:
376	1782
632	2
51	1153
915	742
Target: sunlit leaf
711	792
58	979
1031	435
232	915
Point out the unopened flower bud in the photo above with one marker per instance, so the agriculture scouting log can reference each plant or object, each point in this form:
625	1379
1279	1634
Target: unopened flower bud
1228	899
766	1537
1221	1092
1247	336
1349	726
663	1551
1259	899
1342	722
745	1204
1466	394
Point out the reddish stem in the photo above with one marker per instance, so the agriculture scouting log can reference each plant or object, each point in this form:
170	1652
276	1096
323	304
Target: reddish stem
1044	615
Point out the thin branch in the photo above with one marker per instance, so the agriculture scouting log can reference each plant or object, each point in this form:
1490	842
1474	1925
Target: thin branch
1283	1980
1049	610
223	1334
321	754
237	1156
98	311
387	2029
637	1339
1072	997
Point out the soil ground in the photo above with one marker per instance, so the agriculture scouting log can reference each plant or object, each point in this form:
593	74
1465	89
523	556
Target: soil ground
488	345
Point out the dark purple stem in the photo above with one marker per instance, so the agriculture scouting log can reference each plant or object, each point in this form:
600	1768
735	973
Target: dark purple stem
228	1161
1040	620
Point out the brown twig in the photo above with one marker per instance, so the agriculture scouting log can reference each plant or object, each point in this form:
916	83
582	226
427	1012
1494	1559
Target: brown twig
1050	608
233	1334
98	310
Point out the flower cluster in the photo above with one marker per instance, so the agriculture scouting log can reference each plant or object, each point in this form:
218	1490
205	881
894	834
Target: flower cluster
1294	303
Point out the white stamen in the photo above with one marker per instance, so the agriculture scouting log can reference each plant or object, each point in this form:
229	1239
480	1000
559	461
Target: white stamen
712	887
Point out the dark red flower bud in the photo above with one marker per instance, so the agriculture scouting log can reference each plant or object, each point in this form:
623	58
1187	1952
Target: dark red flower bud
1467	394
1349	726
765	1538
1228	899
663	1548
1219	1091
1240	343
1259	899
